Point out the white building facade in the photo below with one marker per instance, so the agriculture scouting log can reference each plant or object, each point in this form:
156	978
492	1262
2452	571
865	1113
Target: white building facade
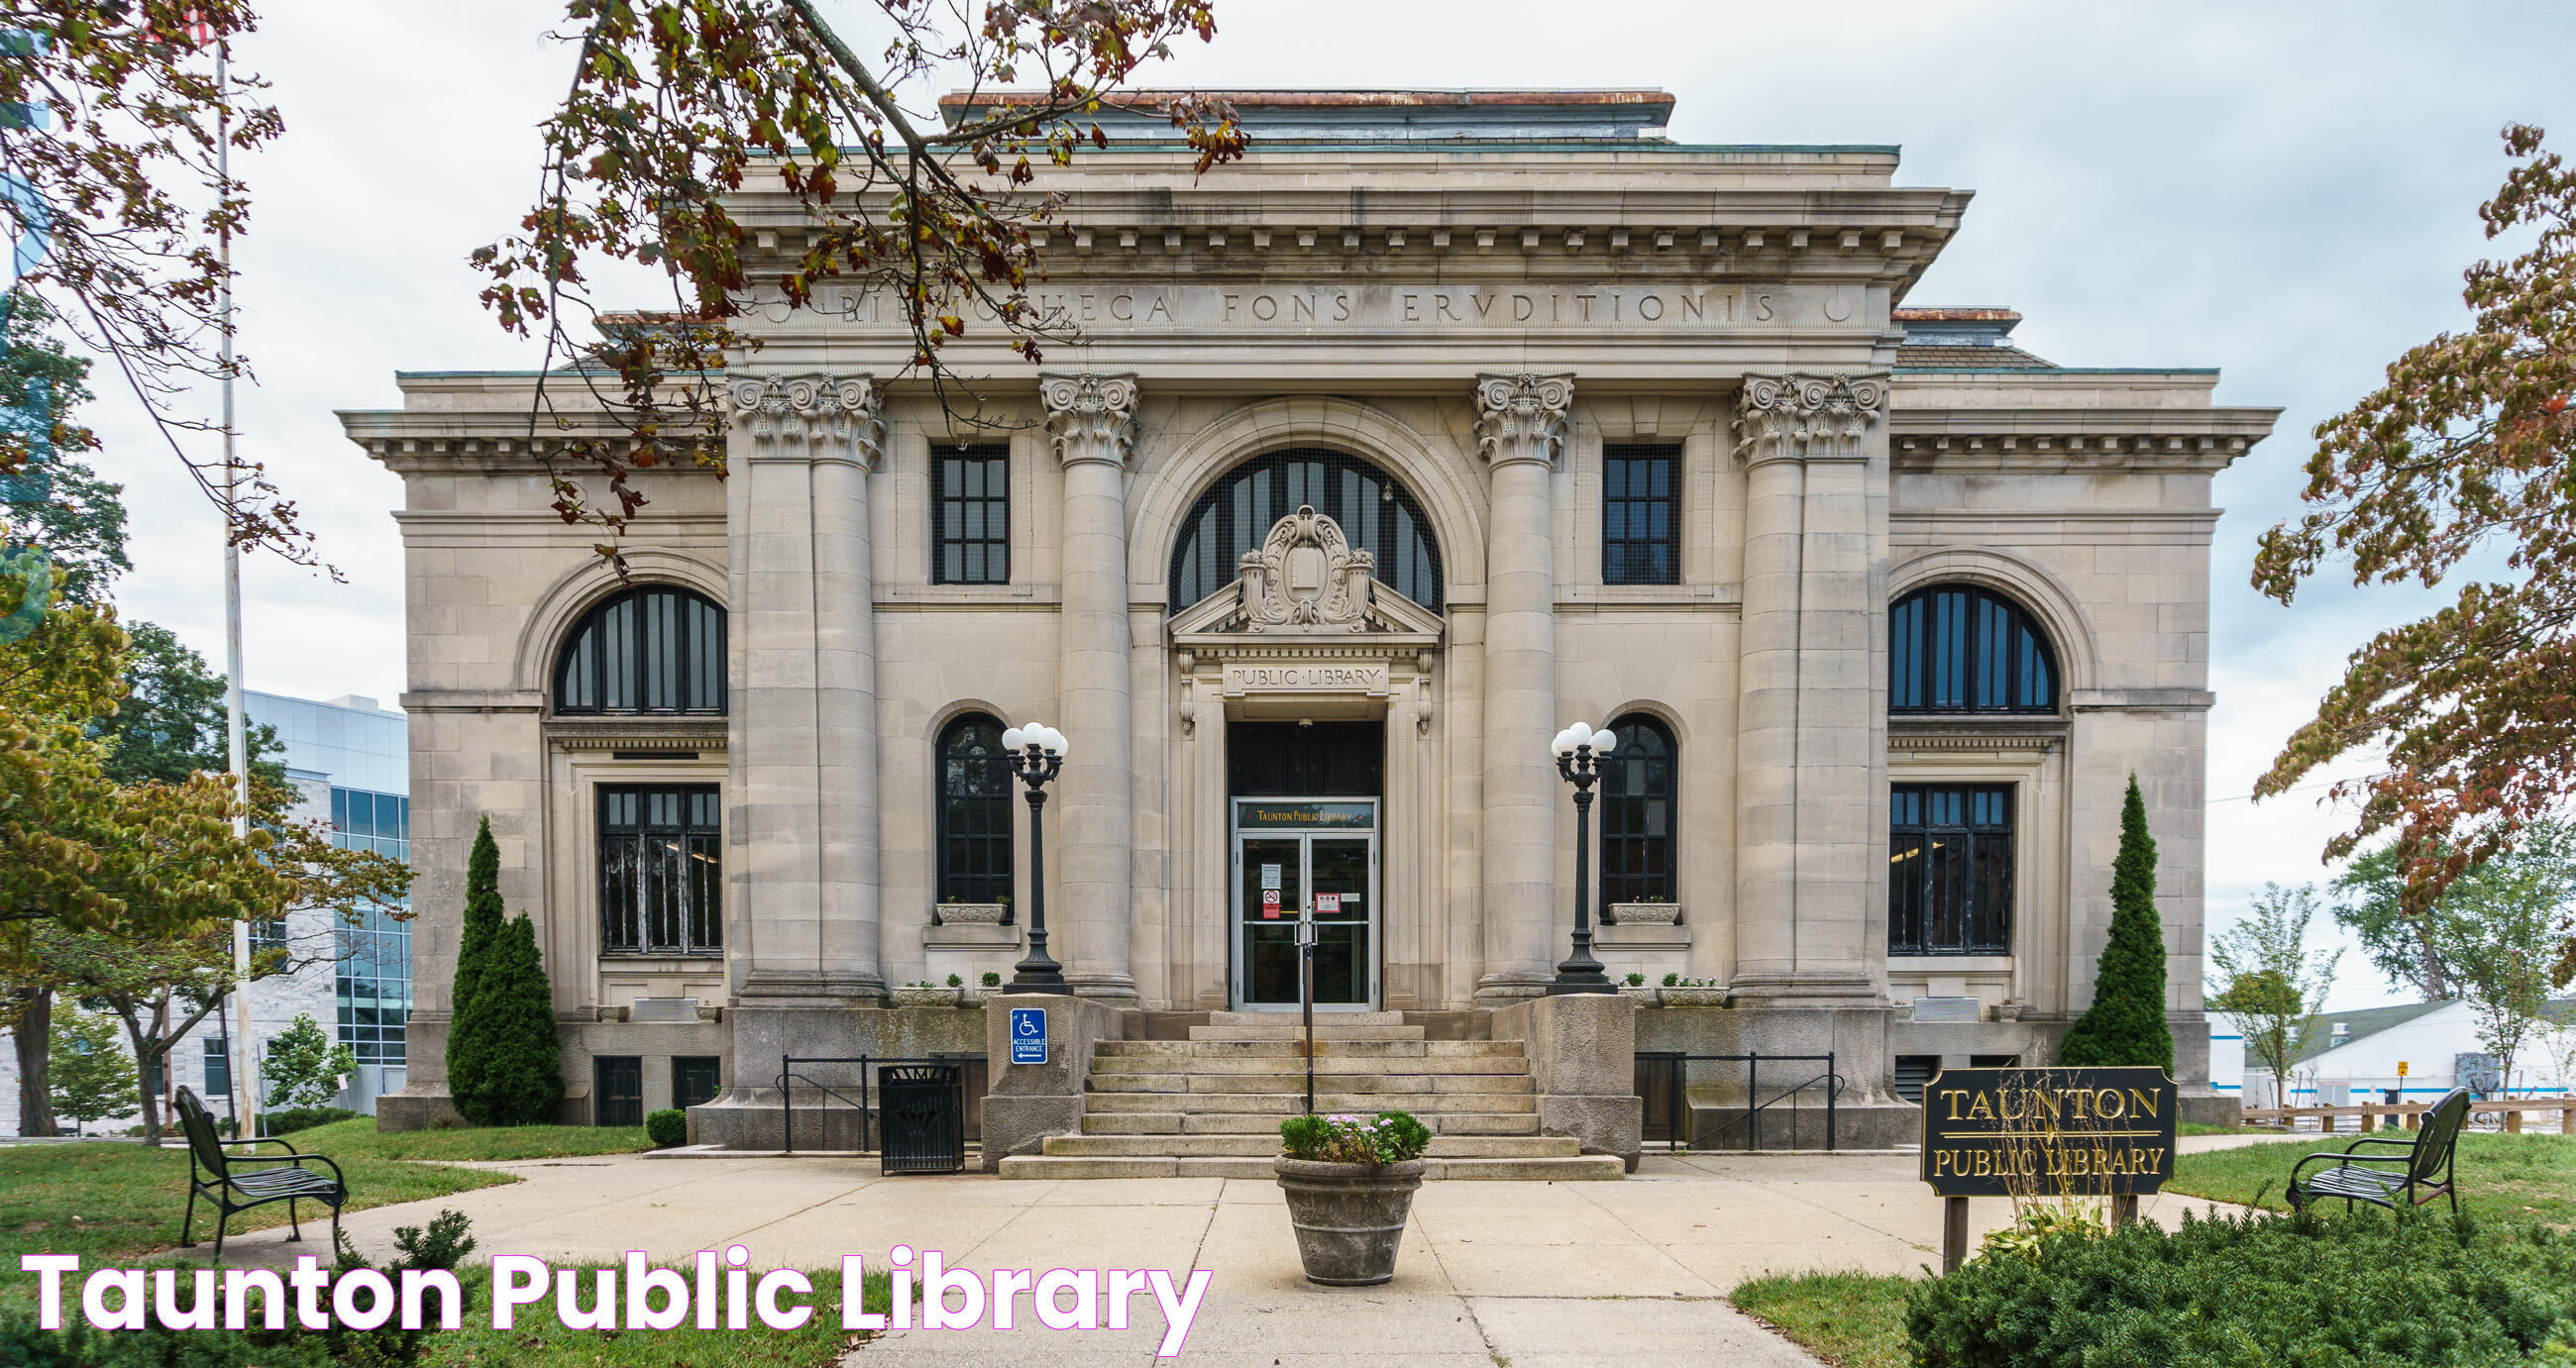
1439	421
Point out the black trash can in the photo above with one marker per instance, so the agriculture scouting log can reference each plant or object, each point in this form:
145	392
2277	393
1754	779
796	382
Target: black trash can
2391	1120
922	1111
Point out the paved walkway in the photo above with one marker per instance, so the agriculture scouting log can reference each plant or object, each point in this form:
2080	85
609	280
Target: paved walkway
1540	1274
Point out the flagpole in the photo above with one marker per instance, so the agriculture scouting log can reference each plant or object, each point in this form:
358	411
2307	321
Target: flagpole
245	1079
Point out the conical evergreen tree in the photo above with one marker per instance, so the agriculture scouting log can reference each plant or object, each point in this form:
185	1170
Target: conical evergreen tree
521	1079
467	1047
2126	1024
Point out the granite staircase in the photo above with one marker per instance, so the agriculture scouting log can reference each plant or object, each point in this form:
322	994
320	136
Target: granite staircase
1210	1106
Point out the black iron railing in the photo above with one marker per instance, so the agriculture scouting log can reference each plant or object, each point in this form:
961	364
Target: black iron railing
856	1083
1663	1082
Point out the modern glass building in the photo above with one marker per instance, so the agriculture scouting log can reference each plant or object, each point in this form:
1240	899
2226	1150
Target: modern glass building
352	760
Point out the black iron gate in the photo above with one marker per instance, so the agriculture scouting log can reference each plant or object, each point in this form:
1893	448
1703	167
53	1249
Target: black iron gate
854	1099
1783	1099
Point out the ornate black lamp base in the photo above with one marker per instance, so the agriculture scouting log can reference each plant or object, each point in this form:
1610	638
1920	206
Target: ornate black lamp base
1038	974
1580	972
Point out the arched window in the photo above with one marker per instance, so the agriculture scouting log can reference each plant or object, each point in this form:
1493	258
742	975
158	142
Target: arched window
974	812
1376	513
658	648
1957	648
1639	786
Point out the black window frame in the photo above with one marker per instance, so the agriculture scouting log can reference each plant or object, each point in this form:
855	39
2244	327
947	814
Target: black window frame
1374	509
1951	852
976	842
952	506
628	863
218	1066
1640	855
1631	553
686	1070
1956	649
667	641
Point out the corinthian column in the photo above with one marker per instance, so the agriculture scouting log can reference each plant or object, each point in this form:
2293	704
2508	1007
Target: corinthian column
1520	428
1092	418
1808	723
804	742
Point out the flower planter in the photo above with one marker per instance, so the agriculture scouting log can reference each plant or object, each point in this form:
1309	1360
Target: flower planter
1645	994
973	914
925	997
1349	1217
1642	914
1695	997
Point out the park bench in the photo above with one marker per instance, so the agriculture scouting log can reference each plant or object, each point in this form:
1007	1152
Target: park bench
238	1182
2418	1173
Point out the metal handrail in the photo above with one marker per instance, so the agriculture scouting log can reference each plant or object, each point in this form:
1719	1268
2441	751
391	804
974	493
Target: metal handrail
1676	1081
866	1108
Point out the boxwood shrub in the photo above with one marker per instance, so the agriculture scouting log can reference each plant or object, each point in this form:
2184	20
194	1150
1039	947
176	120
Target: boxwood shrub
667	1127
2355	1290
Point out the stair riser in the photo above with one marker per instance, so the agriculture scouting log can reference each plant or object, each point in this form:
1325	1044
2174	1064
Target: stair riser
1586	1168
1296	1049
1324	1064
1289	1104
1394	1086
1247	1123
1265	1146
1291	1030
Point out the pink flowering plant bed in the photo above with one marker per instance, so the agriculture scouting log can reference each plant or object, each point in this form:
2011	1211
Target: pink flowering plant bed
1390	1137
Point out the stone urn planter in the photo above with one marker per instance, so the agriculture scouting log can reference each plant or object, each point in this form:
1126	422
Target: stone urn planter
1349	1217
1695	997
973	914
1642	914
1646	994
911	996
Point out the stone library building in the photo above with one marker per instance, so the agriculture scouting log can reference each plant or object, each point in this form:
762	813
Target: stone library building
1438	422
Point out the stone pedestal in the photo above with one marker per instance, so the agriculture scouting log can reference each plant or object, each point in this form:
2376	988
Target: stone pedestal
1582	1051
1029	1102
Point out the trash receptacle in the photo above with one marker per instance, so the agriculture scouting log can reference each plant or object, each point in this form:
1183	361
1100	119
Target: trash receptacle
922	1111
2391	1120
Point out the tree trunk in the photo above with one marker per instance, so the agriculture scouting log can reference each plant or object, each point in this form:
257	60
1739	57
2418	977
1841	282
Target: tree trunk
33	1037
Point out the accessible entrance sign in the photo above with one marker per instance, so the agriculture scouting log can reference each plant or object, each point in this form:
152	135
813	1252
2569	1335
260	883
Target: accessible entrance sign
1028	1035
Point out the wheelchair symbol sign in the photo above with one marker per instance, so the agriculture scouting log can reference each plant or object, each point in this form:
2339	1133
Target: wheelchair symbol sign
1028	1035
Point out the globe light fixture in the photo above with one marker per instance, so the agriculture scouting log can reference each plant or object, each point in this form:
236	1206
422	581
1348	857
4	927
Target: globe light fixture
1036	755
1580	749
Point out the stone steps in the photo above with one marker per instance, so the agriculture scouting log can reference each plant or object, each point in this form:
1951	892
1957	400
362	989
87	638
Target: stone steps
1324	1064
1267	1123
1177	1081
1291	1030
1296	1049
1424	1105
1580	1169
1290	1018
1267	1146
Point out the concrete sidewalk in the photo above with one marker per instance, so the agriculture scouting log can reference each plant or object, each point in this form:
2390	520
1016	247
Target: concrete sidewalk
1541	1274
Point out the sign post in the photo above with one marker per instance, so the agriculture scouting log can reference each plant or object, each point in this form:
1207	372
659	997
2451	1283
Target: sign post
2045	1133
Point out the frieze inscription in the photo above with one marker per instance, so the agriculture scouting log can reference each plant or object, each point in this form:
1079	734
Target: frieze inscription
1418	309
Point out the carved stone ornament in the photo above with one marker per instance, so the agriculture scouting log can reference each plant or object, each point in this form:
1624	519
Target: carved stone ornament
1305	578
1522	417
1092	417
1794	417
835	415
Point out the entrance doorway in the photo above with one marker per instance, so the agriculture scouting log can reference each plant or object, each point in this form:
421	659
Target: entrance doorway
1298	858
1303	821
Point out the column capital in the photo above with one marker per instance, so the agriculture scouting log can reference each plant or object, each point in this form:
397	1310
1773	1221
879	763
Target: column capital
812	417
1091	417
1799	417
1522	417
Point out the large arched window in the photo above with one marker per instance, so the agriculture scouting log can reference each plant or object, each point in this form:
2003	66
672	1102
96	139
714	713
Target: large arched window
657	648
1639	788
974	812
1958	648
1376	513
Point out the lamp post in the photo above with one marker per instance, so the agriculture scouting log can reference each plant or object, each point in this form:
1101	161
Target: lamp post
1036	756
1579	750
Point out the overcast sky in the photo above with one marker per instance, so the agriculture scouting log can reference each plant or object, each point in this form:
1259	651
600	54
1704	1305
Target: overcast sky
2286	192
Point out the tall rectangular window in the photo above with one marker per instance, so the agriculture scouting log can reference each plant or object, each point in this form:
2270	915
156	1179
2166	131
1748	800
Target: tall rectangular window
373	979
661	869
970	515
1641	523
1950	869
219	1068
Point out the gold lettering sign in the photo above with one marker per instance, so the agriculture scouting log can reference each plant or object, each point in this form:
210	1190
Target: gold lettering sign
2048	1132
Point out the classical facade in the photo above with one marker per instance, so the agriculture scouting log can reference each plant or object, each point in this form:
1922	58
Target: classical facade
1436	423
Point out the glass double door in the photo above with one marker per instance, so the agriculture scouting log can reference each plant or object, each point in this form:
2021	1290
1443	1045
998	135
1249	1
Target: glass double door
1302	859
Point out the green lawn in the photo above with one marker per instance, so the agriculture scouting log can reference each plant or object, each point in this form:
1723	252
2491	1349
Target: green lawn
1855	1320
2506	1181
121	1198
538	1342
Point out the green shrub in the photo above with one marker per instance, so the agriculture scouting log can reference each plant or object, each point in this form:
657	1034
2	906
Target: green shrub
288	1119
517	1079
2355	1290
667	1127
2126	1023
1391	1137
